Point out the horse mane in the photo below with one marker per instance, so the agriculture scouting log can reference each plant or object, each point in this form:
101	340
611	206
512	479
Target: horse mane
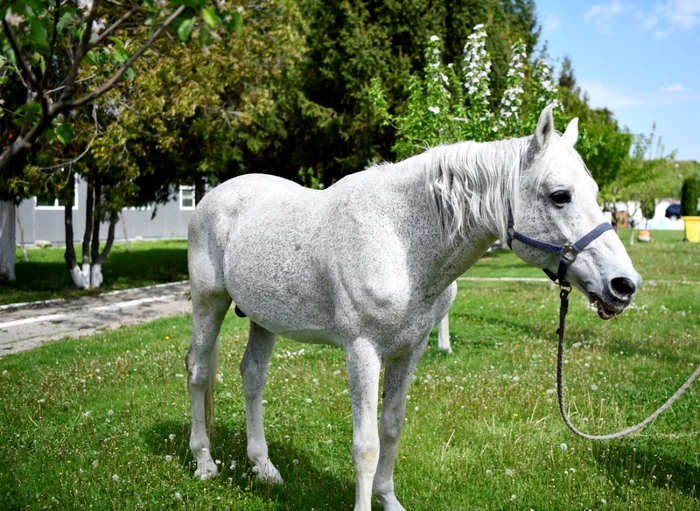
470	184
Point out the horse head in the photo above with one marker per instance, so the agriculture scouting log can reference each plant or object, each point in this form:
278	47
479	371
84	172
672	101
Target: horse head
556	223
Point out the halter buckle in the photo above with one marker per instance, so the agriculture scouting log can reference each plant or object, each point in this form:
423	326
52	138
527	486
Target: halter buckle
569	253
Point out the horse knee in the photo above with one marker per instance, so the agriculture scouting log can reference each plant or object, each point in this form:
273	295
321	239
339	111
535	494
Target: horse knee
198	373
391	433
365	455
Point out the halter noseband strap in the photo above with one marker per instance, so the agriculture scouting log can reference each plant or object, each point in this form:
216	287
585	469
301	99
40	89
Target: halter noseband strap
567	252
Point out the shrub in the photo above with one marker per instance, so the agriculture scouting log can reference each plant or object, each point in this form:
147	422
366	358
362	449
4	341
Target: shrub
689	197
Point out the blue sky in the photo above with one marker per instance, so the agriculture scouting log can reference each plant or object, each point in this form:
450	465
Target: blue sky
640	59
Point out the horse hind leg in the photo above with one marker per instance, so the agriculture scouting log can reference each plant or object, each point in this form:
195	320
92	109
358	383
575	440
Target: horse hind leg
208	312
254	374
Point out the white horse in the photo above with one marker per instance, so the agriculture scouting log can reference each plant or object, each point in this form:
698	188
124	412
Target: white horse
369	265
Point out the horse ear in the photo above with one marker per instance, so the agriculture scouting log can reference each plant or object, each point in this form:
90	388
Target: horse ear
544	130
571	133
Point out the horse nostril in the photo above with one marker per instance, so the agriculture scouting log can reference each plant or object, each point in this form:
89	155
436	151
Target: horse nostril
623	287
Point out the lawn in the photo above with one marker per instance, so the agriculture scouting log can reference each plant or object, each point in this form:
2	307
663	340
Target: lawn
103	421
46	274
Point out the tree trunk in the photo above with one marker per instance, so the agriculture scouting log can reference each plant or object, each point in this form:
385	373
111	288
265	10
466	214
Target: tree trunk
89	205
199	188
95	249
126	237
96	272
632	233
69	255
7	240
21	235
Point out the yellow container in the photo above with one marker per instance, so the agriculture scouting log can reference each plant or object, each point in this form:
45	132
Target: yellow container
692	228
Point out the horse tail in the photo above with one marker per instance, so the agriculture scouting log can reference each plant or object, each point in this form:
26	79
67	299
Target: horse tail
209	393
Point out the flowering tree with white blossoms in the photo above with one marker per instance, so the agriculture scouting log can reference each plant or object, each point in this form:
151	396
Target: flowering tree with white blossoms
445	108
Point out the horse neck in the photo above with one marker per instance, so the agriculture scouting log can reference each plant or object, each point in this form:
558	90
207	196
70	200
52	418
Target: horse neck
476	181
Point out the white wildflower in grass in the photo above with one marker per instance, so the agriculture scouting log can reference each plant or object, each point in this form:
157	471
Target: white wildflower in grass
513	497
95	463
594	387
308	400
489	472
434	109
336	372
87	414
41	401
177	496
171	437
168	458
110	412
512	96
295	461
232	465
509	472
116	478
563	447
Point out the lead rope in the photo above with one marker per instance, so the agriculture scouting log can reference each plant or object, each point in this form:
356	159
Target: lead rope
564	295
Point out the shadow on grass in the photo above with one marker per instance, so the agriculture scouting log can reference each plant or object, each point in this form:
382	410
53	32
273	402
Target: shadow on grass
627	461
40	280
305	486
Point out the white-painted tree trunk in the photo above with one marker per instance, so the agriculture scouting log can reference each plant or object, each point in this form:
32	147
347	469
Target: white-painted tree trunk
86	274
96	276
444	334
78	278
7	240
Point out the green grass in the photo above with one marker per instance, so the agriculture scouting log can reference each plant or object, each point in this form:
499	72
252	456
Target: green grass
46	274
482	425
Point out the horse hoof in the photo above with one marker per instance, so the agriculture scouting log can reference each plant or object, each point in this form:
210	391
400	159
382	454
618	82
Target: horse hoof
205	471
268	473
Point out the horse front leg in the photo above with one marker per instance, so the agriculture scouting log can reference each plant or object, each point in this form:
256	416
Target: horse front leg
397	378
364	365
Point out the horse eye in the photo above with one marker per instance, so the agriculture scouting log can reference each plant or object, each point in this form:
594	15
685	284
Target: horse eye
561	197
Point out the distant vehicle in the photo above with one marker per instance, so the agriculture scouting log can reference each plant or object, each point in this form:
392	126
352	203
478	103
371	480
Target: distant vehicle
674	211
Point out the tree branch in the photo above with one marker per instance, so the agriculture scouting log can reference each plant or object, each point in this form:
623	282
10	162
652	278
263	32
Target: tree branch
31	77
75	65
105	33
109	84
54	36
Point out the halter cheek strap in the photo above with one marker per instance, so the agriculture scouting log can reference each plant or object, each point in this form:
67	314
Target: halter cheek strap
567	252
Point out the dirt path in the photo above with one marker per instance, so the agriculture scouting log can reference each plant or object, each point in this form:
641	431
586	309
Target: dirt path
26	326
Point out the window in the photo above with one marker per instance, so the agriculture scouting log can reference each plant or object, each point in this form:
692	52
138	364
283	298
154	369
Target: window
54	203
187	197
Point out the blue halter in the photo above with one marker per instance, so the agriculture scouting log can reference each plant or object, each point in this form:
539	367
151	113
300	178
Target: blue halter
567	252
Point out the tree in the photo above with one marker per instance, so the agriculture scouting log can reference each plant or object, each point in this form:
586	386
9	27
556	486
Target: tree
46	48
689	197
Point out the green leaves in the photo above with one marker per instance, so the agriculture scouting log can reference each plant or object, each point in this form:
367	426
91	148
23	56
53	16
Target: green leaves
185	29
64	133
210	17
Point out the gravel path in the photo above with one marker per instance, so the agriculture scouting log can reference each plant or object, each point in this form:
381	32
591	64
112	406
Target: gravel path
28	325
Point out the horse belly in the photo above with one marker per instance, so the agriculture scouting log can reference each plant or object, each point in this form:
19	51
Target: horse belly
275	274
